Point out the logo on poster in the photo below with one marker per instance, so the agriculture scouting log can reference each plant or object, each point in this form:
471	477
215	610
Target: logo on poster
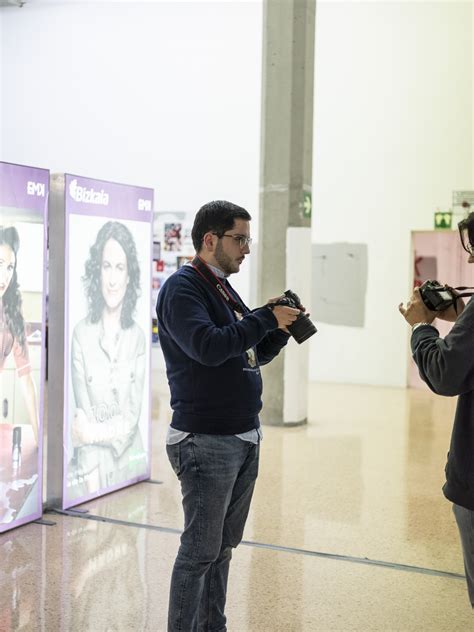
36	188
144	205
88	196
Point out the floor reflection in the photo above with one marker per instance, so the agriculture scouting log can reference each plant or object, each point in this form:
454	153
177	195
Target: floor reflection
21	580
362	479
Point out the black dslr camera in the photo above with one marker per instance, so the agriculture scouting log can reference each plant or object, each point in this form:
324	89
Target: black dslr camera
438	297
302	328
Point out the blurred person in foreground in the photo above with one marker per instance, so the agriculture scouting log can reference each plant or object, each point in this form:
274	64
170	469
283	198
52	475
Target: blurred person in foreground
447	367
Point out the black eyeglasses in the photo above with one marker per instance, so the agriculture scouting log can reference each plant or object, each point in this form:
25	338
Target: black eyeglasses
242	240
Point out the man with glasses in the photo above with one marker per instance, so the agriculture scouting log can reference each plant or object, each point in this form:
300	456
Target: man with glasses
447	367
213	347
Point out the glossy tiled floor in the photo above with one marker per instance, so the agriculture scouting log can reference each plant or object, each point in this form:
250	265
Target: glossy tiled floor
361	480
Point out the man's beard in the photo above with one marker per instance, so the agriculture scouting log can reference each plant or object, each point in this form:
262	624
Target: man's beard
225	263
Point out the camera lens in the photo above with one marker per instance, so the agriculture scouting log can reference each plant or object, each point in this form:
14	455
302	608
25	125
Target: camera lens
302	328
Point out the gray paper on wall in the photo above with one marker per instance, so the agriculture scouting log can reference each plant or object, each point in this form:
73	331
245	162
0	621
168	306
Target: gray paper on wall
339	283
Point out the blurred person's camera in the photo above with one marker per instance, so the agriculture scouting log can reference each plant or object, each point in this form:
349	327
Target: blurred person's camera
438	297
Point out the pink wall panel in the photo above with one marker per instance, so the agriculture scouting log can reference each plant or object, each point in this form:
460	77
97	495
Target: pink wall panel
451	268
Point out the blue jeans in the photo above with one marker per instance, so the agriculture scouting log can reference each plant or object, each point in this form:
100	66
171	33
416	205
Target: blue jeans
465	519
217	475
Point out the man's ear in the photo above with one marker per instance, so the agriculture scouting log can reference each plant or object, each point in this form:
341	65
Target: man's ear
208	242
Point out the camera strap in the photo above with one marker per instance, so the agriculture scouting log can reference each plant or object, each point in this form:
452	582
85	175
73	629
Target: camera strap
464	288
208	275
462	294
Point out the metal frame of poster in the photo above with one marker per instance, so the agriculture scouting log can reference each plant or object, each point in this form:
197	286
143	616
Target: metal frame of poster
101	242
24	194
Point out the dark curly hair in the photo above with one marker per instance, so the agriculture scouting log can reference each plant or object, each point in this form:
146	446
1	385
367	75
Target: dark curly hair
217	217
92	277
12	297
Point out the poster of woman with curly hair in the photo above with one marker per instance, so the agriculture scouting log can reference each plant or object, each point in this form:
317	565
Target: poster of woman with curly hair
110	334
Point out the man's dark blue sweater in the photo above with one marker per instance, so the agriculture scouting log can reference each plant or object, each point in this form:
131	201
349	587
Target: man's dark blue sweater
213	374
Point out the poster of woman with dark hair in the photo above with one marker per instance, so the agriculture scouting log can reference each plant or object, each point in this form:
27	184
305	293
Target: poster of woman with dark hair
108	368
19	409
12	323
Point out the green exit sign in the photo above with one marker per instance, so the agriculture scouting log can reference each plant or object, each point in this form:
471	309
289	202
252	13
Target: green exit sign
307	204
443	220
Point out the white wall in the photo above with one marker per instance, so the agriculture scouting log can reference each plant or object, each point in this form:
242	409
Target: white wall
393	138
167	94
162	94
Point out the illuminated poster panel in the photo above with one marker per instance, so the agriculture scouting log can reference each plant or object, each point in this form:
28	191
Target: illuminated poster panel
107	337
23	220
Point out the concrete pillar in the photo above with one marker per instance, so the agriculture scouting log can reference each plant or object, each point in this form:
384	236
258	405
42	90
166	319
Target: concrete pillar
284	253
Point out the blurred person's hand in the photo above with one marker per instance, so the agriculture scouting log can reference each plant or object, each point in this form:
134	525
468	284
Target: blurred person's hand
451	314
416	311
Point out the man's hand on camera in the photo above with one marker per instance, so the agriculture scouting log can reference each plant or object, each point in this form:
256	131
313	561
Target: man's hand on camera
278	298
416	311
285	316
